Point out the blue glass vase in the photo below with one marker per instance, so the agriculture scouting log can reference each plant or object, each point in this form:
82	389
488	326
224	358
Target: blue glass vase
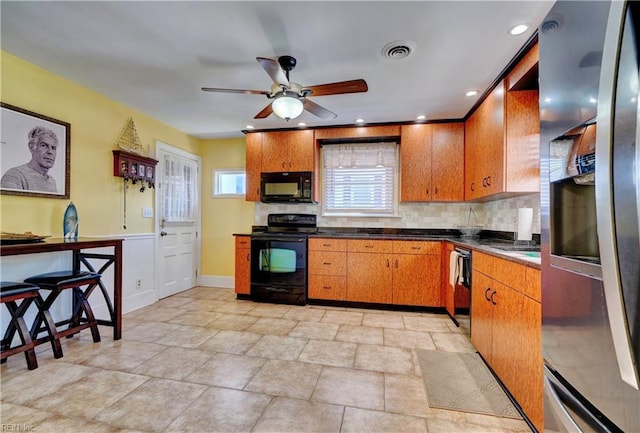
70	222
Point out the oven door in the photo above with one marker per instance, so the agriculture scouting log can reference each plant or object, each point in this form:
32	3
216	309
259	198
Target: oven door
279	268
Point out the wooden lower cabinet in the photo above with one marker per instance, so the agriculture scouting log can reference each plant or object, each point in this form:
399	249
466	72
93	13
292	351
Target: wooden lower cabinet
243	265
506	328
416	274
369	278
375	271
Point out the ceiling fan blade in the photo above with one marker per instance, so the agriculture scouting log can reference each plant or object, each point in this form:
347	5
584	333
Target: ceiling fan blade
266	112
273	68
249	92
351	86
318	110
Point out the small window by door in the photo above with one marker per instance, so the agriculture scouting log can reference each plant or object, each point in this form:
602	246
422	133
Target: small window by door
229	183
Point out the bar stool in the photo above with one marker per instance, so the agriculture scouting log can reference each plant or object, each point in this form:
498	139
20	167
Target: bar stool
10	294
56	283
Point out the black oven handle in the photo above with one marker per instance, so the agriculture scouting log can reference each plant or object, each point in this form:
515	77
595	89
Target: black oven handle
278	238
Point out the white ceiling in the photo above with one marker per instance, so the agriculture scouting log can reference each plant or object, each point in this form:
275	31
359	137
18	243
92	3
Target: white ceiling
154	56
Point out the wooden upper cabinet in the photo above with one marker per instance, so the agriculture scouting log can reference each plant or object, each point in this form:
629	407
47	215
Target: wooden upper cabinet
447	161
415	163
288	151
253	165
484	147
432	162
502	137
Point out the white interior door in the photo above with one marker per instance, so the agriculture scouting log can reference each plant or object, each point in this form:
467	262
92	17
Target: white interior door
177	219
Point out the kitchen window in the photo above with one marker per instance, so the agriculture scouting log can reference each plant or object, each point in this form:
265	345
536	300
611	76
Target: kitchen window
229	183
360	179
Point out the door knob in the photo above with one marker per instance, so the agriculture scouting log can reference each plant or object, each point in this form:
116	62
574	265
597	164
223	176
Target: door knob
163	233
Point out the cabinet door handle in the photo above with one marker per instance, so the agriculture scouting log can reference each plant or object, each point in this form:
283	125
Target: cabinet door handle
488	180
492	300
436	190
396	263
248	257
387	263
486	294
284	164
473	186
484	181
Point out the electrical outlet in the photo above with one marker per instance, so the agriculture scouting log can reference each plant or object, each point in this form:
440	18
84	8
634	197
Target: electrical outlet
147	212
138	284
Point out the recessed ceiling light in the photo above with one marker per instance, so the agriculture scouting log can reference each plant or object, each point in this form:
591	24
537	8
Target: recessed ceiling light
471	93
302	124
249	126
359	120
421	117
518	29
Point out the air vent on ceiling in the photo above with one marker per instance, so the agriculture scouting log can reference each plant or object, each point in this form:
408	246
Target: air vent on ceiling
552	23
398	50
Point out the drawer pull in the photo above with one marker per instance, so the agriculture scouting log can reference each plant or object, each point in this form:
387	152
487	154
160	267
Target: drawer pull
327	245
326	287
369	246
416	248
327	263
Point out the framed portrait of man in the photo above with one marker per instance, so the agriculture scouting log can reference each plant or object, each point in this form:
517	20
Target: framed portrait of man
36	154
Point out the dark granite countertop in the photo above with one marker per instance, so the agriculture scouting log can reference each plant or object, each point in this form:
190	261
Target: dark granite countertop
496	243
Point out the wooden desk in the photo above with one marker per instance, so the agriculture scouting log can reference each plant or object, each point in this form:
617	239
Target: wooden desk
80	259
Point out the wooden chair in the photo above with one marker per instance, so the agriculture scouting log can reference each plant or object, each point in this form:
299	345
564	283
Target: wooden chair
82	316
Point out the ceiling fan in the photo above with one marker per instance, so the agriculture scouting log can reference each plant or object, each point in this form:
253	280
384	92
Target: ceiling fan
289	98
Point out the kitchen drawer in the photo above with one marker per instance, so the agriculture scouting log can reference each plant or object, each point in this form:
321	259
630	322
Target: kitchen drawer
327	244
506	272
416	247
243	242
483	263
330	287
369	246
327	263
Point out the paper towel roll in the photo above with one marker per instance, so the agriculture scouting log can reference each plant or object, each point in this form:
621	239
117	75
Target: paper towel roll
525	223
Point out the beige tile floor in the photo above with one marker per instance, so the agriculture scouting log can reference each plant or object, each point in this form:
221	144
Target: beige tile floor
202	361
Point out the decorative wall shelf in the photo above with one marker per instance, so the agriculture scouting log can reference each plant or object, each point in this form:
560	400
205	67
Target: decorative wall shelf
134	167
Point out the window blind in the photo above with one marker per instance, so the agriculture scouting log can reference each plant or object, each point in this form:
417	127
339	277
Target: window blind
360	179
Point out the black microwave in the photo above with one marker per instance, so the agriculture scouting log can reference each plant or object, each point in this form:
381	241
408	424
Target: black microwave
287	187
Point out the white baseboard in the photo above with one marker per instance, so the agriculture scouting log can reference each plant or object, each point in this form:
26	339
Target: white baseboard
216	281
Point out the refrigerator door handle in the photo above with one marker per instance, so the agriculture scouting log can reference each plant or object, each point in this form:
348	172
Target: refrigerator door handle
604	199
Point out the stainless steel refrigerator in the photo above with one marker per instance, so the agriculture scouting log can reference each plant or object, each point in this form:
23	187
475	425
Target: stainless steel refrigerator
590	215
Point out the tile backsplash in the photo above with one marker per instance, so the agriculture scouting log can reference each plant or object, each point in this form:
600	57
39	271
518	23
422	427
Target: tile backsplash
499	215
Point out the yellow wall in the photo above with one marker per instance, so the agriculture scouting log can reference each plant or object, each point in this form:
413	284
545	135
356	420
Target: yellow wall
222	216
96	122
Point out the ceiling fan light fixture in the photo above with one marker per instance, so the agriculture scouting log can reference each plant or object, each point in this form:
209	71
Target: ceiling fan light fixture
287	106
